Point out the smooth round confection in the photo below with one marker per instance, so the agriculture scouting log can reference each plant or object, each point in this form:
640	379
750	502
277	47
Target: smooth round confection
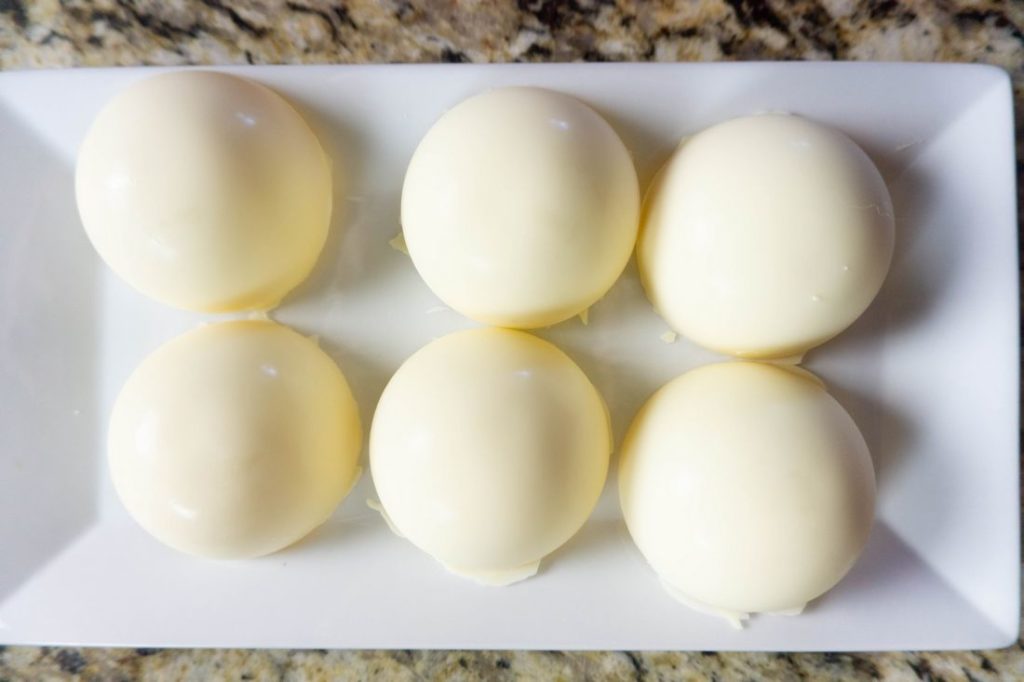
489	450
520	207
204	191
765	236
747	488
234	440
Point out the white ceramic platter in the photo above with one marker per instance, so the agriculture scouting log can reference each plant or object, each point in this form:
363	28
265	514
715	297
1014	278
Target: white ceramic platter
930	374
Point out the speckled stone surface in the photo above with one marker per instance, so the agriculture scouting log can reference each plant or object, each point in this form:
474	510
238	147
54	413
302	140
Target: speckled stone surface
49	33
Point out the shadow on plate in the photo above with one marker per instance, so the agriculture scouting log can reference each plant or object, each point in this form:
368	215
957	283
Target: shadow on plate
922	270
888	432
357	253
49	437
334	535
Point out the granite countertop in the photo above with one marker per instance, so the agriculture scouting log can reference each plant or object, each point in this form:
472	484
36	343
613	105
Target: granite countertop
48	33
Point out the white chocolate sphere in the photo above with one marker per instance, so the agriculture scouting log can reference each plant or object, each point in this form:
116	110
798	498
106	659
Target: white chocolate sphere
520	207
204	191
765	236
747	488
489	450
234	440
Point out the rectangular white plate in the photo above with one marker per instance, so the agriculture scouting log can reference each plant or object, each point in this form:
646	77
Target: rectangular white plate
930	373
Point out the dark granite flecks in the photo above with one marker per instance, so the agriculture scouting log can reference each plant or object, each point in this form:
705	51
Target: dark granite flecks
107	32
32	663
48	33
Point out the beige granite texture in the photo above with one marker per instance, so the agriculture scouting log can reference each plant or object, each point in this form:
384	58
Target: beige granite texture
49	33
